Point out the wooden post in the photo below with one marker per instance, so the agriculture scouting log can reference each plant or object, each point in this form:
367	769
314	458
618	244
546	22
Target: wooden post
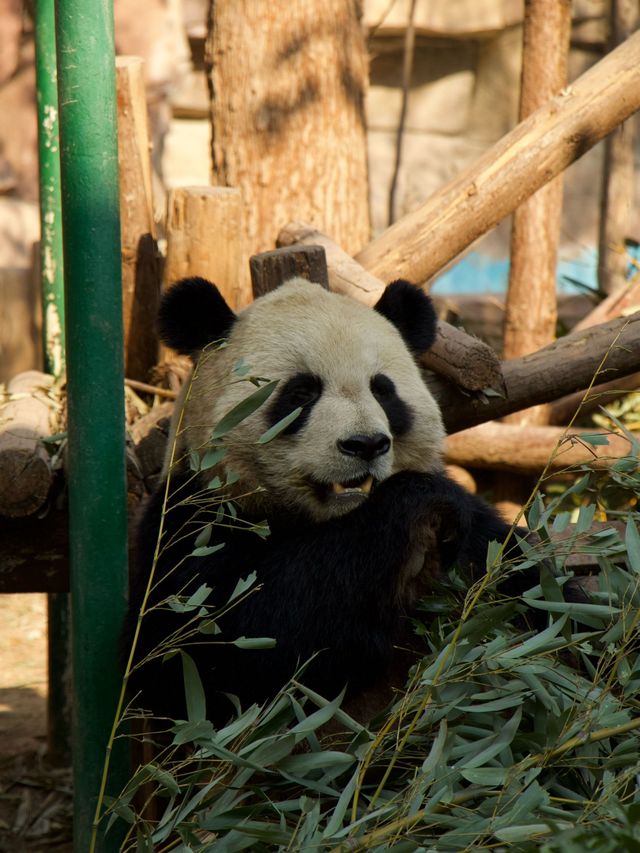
618	172
539	148
140	258
204	238
530	317
531	306
270	269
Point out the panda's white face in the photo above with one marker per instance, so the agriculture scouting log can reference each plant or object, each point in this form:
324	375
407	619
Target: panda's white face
366	412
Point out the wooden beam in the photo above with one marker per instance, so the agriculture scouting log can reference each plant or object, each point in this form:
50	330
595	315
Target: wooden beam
563	367
420	244
527	449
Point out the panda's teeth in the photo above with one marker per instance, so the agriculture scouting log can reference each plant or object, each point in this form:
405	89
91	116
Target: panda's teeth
361	488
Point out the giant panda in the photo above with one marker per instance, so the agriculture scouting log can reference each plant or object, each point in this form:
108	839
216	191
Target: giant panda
361	514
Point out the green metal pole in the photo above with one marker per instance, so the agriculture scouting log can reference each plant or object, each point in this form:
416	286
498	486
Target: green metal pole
52	295
96	460
51	265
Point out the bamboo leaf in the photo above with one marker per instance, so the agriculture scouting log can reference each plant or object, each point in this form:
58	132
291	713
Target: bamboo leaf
282	424
632	542
207	550
204	536
254	643
243	409
212	457
242	586
193	690
501	740
538	642
594	438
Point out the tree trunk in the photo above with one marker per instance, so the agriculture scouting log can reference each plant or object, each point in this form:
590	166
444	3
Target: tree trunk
618	173
531	309
287	89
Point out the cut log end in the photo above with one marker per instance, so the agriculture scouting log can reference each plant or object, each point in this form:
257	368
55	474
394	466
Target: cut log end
25	480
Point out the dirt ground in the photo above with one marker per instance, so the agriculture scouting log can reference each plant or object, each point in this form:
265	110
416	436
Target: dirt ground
35	798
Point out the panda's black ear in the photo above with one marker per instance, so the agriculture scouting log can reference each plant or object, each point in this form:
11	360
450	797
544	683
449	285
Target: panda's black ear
192	314
411	311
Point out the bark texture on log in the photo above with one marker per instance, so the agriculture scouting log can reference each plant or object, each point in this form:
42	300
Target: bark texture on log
421	243
563	367
618	177
623	301
204	238
561	411
467	361
528	449
345	275
140	256
287	115
25	470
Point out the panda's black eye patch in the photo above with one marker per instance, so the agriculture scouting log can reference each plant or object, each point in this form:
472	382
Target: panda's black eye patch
398	413
301	390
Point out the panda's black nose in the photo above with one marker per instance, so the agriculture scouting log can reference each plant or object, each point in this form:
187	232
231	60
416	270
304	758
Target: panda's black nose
365	446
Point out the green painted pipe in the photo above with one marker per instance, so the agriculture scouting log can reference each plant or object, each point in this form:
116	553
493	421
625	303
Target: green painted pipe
52	296
51	265
94	347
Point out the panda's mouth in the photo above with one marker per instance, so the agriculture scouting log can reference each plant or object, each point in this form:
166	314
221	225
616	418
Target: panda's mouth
360	486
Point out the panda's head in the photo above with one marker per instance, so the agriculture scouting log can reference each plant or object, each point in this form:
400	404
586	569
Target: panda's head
366	411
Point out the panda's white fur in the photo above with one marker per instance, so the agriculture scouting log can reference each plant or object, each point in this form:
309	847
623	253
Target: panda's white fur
302	327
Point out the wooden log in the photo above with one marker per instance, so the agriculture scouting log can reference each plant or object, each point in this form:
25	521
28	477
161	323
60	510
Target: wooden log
140	256
204	228
271	269
25	469
527	449
565	366
561	411
618	174
346	276
465	360
624	300
533	153
531	305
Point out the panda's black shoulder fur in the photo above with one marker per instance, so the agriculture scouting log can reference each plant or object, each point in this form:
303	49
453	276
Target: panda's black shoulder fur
193	314
411	311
